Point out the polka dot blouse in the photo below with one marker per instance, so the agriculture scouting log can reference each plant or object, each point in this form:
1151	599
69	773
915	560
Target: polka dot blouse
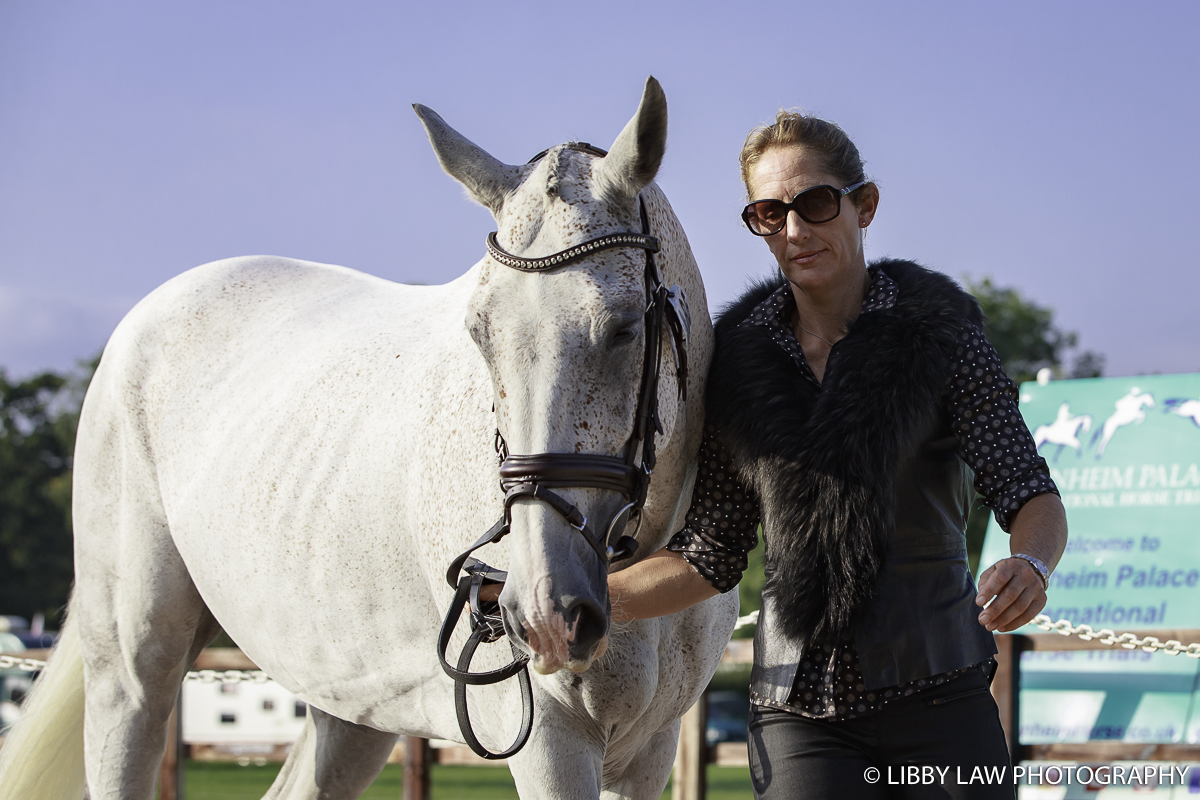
722	521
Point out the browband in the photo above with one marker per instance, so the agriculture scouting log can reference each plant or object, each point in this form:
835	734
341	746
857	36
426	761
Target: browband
628	239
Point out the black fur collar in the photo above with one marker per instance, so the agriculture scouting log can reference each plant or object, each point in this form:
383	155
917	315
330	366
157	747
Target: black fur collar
822	461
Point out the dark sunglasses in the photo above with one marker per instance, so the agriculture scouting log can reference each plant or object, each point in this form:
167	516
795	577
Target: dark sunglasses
816	205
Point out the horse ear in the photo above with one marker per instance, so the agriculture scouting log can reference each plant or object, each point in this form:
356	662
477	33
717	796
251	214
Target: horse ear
637	153
487	180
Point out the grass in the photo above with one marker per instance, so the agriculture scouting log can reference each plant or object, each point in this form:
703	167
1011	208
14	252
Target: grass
225	781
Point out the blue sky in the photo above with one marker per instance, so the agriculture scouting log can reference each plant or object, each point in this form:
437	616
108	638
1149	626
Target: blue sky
1051	146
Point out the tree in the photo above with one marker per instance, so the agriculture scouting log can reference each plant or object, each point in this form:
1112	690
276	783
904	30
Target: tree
38	420
1027	340
1025	336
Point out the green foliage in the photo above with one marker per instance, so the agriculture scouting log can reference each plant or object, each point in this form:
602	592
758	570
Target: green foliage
751	586
1027	340
1025	336
38	419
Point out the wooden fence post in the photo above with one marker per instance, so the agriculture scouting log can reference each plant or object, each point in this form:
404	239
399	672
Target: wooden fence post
171	773
1006	689
418	756
691	759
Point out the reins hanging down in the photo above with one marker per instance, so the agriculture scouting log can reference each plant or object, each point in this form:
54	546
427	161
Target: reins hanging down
536	476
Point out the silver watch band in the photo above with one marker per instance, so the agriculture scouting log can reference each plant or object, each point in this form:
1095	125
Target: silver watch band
1038	566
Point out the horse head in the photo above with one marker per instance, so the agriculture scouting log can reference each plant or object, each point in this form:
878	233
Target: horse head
565	348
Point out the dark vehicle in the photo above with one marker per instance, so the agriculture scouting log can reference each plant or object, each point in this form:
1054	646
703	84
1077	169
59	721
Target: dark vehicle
33	637
727	715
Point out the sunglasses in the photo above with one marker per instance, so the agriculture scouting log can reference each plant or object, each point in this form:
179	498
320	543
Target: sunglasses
816	205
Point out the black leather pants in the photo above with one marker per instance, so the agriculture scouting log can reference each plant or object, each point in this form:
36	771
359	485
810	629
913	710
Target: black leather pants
944	743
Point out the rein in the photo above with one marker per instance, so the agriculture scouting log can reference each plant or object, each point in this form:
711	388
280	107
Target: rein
536	476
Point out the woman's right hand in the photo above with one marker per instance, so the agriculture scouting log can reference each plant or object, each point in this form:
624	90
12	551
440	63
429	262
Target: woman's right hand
660	584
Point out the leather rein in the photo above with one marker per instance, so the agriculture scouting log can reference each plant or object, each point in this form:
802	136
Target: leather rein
536	476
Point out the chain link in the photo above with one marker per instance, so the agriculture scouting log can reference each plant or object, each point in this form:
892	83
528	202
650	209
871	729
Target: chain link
749	619
1129	641
202	675
27	664
227	676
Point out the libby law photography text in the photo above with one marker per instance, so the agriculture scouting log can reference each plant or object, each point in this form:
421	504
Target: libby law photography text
1137	775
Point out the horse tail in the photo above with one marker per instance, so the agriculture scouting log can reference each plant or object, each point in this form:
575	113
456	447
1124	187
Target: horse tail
42	757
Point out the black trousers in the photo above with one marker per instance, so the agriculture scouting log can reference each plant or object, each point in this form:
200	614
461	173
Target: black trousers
944	743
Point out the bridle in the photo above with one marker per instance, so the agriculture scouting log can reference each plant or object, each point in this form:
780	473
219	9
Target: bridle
537	476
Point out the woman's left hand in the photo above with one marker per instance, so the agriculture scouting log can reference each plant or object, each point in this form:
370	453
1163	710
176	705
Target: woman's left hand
1015	591
1012	586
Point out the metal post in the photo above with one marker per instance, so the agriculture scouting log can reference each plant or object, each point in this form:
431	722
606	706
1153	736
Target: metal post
418	756
691	759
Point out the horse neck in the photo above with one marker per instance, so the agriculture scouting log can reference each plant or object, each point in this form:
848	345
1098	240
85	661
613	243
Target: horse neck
669	491
676	263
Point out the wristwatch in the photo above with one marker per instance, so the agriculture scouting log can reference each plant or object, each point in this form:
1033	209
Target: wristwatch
1038	566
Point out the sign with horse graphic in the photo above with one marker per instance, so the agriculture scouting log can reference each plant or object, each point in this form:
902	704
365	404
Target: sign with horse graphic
1132	494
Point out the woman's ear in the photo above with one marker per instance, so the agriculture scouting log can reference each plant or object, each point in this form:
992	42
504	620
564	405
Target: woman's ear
866	203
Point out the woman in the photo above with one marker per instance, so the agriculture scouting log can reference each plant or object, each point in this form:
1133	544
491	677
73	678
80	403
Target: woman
847	408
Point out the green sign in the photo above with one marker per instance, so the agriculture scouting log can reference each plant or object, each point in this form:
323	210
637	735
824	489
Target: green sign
1124	695
1125	453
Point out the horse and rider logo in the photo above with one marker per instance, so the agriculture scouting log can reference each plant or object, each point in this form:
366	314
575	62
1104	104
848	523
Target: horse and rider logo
1183	407
1064	431
1131	408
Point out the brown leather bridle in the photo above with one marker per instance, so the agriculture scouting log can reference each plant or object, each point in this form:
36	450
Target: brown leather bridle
536	476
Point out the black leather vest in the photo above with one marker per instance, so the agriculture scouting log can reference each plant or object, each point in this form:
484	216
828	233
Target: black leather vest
864	498
923	620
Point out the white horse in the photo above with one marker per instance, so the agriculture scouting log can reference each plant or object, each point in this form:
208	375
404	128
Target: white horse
1064	431
1129	411
295	452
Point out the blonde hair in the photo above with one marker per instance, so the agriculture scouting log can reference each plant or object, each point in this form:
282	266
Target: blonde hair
836	153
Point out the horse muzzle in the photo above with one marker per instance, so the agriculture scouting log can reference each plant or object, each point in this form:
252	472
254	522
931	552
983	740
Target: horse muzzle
570	634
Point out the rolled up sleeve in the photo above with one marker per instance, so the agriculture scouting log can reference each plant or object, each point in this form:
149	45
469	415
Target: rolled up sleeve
992	436
722	522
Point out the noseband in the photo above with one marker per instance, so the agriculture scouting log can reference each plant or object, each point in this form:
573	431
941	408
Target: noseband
535	476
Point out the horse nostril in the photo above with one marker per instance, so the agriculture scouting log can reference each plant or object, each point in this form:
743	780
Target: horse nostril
514	623
588	624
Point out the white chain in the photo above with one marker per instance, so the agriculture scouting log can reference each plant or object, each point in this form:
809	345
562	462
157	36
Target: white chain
1129	641
202	675
749	619
227	676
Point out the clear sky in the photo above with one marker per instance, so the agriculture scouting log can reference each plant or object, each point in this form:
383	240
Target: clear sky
1049	145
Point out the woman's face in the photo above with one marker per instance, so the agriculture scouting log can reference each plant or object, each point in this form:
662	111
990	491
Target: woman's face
812	256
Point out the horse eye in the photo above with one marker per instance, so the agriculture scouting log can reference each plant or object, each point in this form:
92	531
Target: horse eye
624	335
